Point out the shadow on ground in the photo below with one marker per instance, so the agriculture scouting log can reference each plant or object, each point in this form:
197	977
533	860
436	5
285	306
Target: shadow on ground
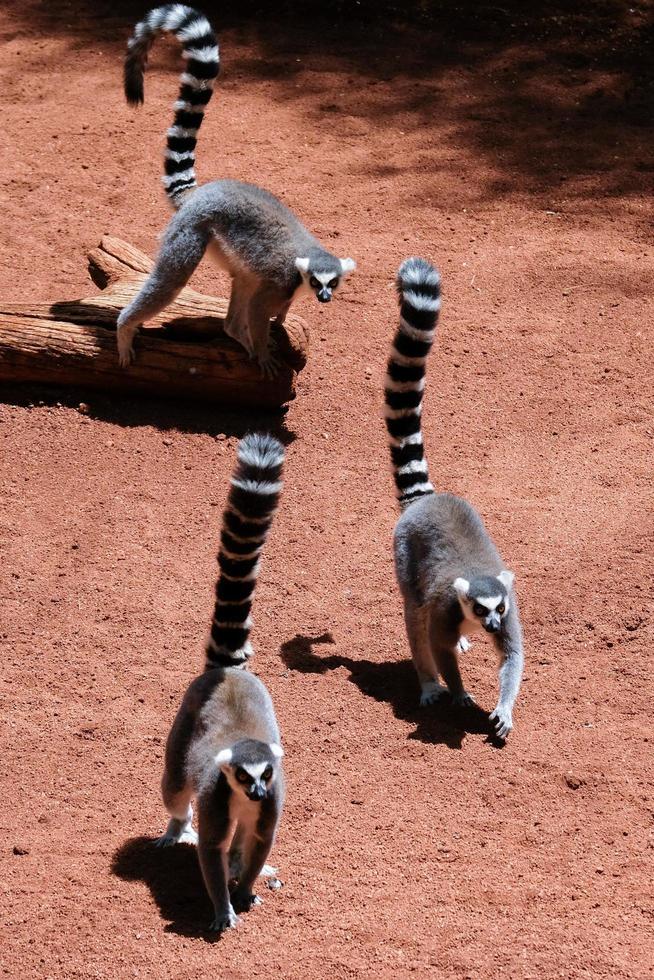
394	683
552	98
173	876
167	416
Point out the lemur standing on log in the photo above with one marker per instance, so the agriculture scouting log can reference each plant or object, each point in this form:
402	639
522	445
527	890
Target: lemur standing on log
450	573
267	251
224	746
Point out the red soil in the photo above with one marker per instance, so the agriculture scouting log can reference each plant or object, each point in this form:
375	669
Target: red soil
516	153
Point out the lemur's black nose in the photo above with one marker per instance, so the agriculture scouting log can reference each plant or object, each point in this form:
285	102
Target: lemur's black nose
257	793
324	296
491	627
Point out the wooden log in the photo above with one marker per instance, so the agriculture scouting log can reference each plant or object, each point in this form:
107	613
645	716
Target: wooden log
184	353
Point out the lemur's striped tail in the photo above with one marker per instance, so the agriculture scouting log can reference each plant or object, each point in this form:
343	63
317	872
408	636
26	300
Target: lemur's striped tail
419	288
194	31
251	505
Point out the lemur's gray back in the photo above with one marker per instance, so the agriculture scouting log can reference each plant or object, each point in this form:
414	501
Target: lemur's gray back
265	235
437	539
202	65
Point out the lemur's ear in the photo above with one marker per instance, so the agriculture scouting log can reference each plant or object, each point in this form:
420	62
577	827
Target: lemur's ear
461	586
302	264
223	758
276	750
506	578
348	265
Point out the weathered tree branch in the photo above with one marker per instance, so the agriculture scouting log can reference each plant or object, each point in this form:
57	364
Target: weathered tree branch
184	352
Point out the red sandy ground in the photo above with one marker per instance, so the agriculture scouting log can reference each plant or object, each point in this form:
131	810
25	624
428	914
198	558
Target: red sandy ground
516	154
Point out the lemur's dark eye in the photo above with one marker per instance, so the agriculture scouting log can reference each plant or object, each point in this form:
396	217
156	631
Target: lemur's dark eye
267	773
479	610
501	608
243	776
313	282
333	283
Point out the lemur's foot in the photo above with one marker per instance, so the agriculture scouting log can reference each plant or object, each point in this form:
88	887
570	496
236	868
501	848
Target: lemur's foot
270	874
126	355
503	721
267	872
463	645
269	363
244	901
224	920
463	700
189	836
126	358
177	833
431	692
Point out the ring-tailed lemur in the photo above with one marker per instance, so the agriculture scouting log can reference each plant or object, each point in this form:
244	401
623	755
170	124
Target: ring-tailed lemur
450	573
269	254
224	745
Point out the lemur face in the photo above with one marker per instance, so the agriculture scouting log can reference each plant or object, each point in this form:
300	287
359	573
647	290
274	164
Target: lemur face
250	767
254	780
485	599
323	281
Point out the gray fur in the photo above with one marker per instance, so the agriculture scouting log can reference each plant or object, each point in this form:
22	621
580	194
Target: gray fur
222	710
438	539
267	251
445	561
224	747
253	237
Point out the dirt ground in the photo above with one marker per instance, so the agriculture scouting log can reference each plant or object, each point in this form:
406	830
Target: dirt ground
515	150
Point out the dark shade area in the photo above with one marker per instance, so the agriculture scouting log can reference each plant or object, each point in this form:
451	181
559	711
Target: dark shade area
557	97
394	682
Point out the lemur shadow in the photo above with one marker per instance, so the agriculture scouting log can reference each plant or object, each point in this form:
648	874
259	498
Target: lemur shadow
166	416
395	682
173	876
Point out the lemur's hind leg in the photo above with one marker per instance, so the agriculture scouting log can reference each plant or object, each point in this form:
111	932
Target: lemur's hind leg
416	619
281	315
180	253
176	790
180	826
448	665
263	308
236	321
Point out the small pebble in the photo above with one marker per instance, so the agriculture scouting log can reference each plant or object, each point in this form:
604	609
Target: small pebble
167	442
573	781
83	408
19	849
